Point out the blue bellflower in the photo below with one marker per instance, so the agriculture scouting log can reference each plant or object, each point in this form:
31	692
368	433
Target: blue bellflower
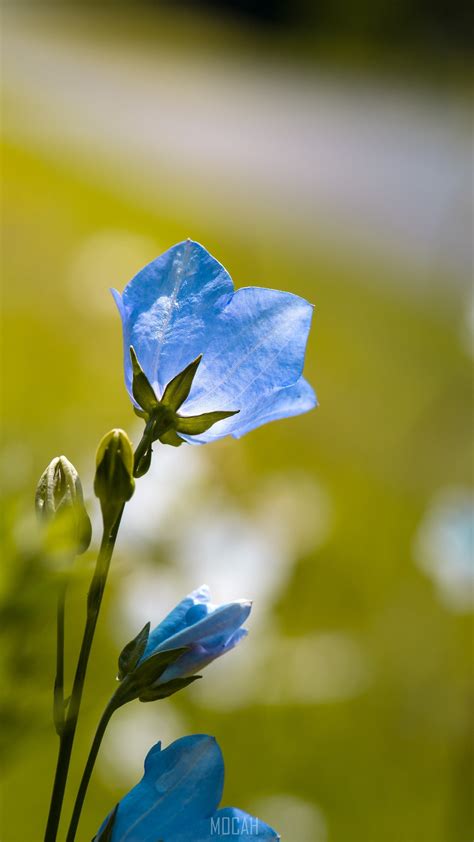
208	631
252	341
178	797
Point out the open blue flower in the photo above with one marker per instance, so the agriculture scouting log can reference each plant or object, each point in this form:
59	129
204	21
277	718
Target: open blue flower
252	341
204	631
178	797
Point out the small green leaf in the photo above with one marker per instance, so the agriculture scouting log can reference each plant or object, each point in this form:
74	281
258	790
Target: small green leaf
141	388
132	652
196	424
162	691
179	387
105	835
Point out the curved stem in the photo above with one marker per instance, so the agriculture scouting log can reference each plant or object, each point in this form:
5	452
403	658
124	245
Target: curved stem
142	456
156	426
81	794
68	732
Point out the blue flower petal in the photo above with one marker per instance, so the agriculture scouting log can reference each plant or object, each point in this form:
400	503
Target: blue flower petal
199	656
182	783
176	620
226	825
256	348
283	403
177	799
225	620
224	642
166	310
197	612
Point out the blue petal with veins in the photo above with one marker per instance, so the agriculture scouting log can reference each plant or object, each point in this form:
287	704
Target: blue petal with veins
178	796
252	341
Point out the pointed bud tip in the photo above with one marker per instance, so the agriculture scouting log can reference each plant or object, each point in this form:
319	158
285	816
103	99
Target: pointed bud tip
114	483
59	502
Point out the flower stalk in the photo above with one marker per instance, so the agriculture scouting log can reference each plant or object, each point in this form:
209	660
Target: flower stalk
69	726
114	486
86	776
59	704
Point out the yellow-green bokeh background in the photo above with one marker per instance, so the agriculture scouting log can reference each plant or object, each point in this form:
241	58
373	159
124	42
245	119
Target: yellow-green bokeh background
381	752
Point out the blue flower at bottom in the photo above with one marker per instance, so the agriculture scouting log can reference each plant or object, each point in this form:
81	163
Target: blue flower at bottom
177	799
252	341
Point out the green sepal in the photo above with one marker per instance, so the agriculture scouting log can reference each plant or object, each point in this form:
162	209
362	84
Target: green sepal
132	652
146	674
105	835
162	691
179	387
142	390
153	667
172	438
162	421
114	483
196	424
140	412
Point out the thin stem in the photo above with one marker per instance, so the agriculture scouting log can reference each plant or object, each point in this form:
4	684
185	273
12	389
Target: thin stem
62	766
58	709
81	794
94	600
156	426
143	452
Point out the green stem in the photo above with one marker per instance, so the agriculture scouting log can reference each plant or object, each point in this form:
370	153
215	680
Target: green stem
62	766
94	600
142	456
156	426
81	794
58	708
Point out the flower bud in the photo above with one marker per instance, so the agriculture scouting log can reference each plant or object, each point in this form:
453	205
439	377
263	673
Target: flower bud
60	504
114	483
143	680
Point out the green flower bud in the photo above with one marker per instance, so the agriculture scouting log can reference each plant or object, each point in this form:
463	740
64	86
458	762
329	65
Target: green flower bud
114	483
60	504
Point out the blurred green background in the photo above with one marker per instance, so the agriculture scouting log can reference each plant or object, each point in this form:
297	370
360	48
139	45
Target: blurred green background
325	153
